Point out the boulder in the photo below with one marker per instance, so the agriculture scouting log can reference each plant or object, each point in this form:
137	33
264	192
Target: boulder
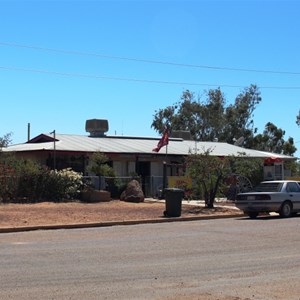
95	196
133	192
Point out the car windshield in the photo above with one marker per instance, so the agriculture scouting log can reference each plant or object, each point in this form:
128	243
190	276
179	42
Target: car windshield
268	187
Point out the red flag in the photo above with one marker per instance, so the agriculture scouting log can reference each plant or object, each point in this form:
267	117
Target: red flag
163	141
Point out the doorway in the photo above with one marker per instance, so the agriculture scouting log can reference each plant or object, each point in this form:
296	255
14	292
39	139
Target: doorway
143	169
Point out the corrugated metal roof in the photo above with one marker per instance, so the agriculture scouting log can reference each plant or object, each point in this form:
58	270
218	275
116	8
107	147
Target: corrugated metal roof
134	145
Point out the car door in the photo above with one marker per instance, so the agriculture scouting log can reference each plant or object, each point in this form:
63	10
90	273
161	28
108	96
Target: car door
293	190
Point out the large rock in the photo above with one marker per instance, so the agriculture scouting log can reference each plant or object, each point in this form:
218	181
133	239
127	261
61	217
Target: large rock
133	192
95	196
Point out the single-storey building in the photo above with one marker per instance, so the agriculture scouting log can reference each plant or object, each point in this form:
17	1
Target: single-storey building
132	155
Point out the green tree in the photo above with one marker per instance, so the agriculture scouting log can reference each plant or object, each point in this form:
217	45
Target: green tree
294	166
297	168
207	173
252	168
211	119
239	116
298	119
213	175
183	115
272	140
204	119
5	140
212	115
99	165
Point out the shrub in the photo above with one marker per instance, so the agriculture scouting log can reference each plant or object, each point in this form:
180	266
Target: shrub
26	180
71	182
8	184
58	185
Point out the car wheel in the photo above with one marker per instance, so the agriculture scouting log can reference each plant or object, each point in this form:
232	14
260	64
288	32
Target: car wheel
252	215
285	210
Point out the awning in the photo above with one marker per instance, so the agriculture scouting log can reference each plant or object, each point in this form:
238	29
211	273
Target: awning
272	160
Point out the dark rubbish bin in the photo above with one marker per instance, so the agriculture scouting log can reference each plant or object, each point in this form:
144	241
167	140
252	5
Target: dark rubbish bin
173	199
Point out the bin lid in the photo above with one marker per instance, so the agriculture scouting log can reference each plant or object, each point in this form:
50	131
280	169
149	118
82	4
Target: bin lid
173	190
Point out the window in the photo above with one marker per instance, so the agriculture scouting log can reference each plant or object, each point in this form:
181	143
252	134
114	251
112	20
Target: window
293	187
268	187
278	171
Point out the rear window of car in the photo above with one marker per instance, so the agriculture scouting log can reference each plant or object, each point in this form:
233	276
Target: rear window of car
268	187
293	187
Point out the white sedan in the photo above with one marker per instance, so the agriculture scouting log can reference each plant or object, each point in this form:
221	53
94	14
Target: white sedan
281	196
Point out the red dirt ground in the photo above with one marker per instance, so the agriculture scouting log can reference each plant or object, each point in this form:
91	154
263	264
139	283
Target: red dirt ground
48	213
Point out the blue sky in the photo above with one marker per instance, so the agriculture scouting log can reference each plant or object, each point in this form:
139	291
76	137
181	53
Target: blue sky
63	62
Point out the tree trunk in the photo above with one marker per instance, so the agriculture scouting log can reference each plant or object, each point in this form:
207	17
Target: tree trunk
211	199
210	205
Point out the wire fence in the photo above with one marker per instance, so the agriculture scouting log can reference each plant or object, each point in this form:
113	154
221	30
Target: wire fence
152	185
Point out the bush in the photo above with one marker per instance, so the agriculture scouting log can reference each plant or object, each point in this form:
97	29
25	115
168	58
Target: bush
56	185
26	180
70	183
115	186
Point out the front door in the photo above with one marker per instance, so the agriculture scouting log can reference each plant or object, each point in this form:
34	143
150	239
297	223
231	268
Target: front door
143	169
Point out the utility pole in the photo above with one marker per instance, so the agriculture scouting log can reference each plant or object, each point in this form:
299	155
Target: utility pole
54	149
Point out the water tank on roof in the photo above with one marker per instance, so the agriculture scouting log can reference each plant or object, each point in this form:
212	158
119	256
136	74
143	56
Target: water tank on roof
96	127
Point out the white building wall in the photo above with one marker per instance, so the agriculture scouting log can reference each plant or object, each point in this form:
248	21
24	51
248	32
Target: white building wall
131	167
156	169
120	168
124	168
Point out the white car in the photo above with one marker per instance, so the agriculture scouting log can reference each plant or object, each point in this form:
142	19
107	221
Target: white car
281	196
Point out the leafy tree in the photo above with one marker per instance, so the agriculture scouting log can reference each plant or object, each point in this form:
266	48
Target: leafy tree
294	166
289	147
252	168
207	173
211	119
99	165
297	168
298	119
5	140
239	116
203	119
272	140
183	115
211	174
212	116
